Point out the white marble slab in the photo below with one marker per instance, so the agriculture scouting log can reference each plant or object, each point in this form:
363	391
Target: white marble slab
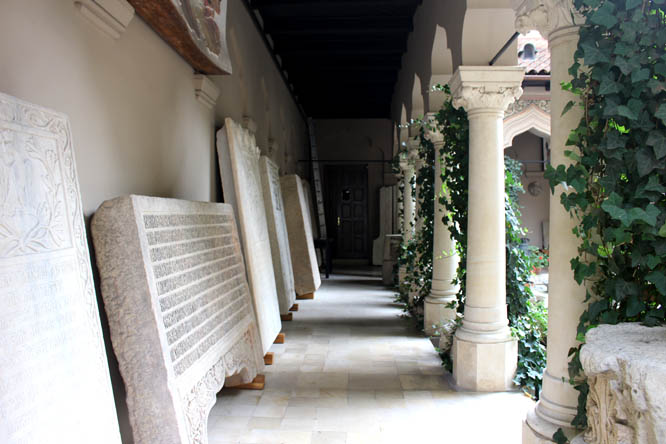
241	183
53	366
277	230
303	257
179	309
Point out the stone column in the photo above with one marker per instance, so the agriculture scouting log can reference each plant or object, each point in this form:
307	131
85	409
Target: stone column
557	405
484	353
444	258
407	166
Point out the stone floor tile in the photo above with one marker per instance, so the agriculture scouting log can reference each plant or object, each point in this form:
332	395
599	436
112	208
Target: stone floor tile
264	423
329	438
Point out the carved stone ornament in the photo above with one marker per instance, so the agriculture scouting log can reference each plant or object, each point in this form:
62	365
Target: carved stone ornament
491	88
195	29
53	364
179	309
545	16
432	132
521	105
625	365
241	180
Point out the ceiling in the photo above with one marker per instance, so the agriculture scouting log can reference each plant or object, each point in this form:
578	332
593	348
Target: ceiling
342	57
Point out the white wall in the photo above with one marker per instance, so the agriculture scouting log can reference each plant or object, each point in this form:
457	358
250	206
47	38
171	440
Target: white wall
137	126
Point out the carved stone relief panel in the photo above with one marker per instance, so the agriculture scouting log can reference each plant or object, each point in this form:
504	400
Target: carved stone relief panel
179	308
56	385
241	181
301	243
277	230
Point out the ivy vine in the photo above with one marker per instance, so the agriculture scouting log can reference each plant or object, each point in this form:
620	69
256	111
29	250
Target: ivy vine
614	186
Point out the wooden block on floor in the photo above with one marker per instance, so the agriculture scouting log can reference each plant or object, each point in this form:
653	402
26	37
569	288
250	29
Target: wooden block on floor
287	317
279	339
305	296
257	384
268	358
294	307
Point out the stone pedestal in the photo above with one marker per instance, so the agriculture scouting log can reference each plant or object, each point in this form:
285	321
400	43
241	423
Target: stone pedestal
625	365
391	250
557	405
445	259
485	354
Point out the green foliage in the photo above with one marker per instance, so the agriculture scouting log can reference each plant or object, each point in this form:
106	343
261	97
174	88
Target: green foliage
615	181
416	254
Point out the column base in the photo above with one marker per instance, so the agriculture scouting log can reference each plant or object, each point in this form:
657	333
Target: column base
537	430
436	313
484	367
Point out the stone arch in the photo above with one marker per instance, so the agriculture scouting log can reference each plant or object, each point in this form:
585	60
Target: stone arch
531	118
403	132
487	26
417	99
441	61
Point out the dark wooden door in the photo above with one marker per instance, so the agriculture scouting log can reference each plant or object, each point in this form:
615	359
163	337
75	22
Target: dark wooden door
347	209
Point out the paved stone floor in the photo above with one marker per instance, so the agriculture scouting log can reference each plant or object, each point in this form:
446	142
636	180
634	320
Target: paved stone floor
351	371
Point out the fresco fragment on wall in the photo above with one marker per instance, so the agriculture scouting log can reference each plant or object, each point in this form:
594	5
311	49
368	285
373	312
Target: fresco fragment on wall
196	29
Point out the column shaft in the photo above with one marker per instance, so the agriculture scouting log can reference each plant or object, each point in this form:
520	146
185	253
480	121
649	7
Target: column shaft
484	353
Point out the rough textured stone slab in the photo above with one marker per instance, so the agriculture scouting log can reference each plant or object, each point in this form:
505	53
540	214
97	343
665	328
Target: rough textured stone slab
277	230
179	308
625	365
53	367
303	257
241	181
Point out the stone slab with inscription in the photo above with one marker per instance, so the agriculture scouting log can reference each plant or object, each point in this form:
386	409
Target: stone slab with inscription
53	366
239	167
179	309
303	257
277	230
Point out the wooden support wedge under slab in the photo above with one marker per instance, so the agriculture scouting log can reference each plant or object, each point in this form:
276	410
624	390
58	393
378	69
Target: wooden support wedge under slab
294	307
257	384
305	296
279	339
287	317
268	358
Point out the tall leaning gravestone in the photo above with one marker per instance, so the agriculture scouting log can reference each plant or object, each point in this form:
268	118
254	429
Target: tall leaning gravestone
53	367
239	167
303	257
174	288
277	230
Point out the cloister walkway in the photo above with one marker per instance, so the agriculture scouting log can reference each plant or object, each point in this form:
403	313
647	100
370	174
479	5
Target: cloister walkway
352	371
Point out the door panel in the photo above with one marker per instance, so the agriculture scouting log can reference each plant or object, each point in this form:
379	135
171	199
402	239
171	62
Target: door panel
347	207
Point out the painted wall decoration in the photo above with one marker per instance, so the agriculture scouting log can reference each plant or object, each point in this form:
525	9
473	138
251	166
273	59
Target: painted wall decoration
196	29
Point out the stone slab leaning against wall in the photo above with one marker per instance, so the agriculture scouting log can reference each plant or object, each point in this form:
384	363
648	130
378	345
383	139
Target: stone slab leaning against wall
179	309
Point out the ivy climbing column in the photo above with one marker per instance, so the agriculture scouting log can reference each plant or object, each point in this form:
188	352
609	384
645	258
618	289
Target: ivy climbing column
556	408
417	164
445	257
485	355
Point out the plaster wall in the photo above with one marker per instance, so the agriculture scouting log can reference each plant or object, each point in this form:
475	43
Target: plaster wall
137	126
527	148
360	141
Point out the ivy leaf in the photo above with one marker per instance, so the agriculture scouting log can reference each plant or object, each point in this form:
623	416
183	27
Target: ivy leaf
634	306
649	216
624	289
646	161
631	4
609	85
604	16
640	75
662	231
661	113
592	54
658	279
625	111
657	141
612	207
567	107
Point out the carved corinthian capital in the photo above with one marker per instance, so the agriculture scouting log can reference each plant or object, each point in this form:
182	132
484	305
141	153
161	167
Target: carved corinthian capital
486	87
545	15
